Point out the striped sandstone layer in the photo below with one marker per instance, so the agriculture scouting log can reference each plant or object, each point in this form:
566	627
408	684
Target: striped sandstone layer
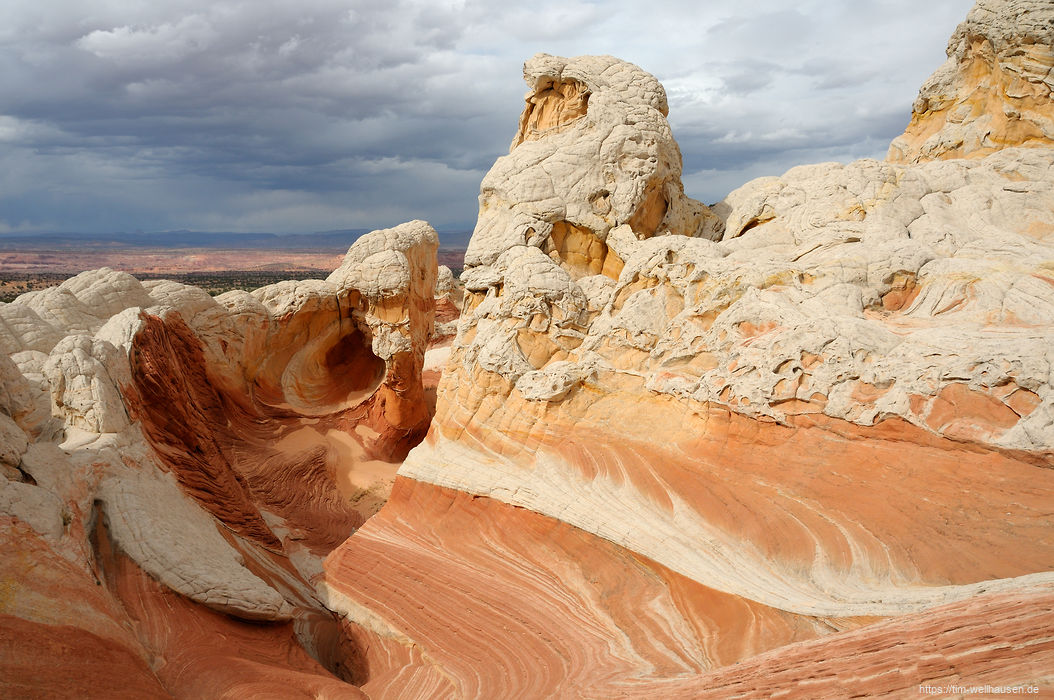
497	601
176	466
824	405
459	596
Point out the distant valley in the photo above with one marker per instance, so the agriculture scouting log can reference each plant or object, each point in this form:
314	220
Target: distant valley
214	261
336	240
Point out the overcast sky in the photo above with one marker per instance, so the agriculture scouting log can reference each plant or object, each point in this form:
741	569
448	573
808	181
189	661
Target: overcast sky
308	115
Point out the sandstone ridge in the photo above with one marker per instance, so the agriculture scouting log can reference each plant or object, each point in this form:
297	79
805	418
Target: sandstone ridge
178	448
798	402
796	444
993	92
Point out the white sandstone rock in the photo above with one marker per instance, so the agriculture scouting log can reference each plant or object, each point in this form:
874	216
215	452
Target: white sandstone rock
85	377
176	542
993	92
593	152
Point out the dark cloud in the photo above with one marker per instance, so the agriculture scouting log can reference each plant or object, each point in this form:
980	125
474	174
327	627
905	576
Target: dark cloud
323	114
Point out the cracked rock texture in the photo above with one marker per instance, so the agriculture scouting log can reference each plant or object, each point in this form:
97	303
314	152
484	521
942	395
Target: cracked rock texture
593	152
993	92
824	406
796	444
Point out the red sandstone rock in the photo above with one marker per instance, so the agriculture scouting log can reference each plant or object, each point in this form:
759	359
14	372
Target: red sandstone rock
798	445
831	420
503	602
519	605
956	650
201	457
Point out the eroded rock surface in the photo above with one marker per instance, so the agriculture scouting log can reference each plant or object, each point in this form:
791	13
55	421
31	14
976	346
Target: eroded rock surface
993	92
827	402
190	460
798	444
593	152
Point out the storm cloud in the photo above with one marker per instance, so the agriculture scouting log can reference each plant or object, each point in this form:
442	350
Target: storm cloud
325	114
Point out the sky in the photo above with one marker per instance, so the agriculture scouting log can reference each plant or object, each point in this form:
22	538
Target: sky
314	115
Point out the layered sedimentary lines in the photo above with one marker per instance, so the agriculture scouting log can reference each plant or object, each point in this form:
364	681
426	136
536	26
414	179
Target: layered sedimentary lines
776	514
58	632
798	444
519	605
175	465
998	640
523	606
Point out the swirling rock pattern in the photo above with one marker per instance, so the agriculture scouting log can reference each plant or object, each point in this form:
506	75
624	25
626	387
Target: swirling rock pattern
826	401
505	602
176	465
798	444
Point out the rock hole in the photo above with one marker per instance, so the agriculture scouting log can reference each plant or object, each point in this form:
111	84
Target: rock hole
352	361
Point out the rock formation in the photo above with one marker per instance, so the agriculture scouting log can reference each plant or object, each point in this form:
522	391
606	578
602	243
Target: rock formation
797	444
168	455
593	152
994	90
821	412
